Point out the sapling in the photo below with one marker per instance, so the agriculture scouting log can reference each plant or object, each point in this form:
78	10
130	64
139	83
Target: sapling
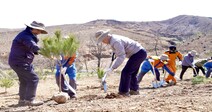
55	46
6	82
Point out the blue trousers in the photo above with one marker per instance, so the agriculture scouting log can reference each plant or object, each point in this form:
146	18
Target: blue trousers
129	72
28	81
208	73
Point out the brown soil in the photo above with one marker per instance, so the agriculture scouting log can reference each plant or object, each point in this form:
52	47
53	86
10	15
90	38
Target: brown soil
183	97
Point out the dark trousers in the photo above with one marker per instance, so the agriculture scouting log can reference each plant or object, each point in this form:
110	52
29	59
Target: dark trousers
184	68
197	69
209	70
129	73
28	81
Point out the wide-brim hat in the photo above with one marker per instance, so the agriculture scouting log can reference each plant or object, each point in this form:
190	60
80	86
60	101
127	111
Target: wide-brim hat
193	53
164	57
37	25
101	34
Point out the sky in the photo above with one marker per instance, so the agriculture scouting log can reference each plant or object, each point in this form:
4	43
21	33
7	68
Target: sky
17	13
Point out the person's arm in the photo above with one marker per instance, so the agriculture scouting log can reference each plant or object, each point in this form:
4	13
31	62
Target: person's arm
179	56
120	54
30	44
188	61
169	70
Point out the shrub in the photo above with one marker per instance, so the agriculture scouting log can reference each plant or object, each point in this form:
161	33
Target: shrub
100	73
200	79
6	82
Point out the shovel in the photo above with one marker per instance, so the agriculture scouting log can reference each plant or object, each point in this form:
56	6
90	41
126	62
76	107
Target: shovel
155	82
65	81
104	84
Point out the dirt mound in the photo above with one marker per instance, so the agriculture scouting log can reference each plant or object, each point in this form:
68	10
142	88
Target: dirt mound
113	95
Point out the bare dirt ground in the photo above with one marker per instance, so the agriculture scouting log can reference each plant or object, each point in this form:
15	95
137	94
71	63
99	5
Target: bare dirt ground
183	97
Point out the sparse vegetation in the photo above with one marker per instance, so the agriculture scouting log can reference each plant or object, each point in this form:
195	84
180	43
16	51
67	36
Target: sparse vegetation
6	82
200	79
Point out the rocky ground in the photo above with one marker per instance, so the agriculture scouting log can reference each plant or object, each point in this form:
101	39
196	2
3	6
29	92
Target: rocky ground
183	97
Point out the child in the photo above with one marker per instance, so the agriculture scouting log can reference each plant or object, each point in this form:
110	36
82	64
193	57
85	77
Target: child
155	62
68	65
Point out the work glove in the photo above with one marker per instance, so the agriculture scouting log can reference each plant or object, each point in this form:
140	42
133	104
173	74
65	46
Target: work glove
151	60
180	62
63	71
109	71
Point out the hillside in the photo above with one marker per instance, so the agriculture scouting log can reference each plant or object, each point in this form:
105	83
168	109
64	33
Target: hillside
183	30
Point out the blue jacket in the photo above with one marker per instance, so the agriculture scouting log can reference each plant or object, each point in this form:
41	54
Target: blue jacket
23	48
208	64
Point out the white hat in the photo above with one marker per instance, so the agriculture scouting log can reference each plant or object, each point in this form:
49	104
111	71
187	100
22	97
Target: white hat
101	34
37	25
193	53
164	57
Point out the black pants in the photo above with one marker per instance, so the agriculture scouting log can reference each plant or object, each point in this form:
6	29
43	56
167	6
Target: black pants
197	70
28	81
184	68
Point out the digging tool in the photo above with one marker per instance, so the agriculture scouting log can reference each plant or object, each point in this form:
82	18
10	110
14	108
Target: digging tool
194	70
155	82
66	83
105	75
164	76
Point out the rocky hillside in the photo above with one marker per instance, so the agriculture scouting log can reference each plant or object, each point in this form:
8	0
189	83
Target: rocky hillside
155	36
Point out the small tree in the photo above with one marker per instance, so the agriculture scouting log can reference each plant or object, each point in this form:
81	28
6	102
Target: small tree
6	82
54	47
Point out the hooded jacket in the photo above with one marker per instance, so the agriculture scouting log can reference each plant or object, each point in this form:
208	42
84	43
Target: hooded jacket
23	48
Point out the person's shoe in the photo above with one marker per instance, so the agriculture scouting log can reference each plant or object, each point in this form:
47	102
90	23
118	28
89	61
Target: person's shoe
34	103
132	92
21	102
172	83
194	75
124	94
73	97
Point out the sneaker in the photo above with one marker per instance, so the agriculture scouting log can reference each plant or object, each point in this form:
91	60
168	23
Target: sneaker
172	83
34	103
124	94
21	102
132	92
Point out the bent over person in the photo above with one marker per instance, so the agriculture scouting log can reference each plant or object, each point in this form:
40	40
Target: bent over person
70	69
23	49
153	63
124	47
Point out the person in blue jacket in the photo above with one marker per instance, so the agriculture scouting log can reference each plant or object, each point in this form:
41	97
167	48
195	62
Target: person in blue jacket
21	56
68	64
208	66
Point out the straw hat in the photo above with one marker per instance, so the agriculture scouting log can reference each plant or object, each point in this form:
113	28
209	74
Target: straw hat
193	53
100	35
37	25
164	57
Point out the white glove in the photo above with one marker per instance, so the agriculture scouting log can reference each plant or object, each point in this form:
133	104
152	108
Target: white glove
63	71
180	62
109	70
151	60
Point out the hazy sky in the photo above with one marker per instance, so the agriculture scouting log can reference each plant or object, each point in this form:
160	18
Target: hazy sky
15	13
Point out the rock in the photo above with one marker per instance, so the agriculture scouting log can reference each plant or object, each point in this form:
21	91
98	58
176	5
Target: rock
61	97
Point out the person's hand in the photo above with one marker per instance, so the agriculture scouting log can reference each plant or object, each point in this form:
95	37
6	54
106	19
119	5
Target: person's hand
180	62
109	71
